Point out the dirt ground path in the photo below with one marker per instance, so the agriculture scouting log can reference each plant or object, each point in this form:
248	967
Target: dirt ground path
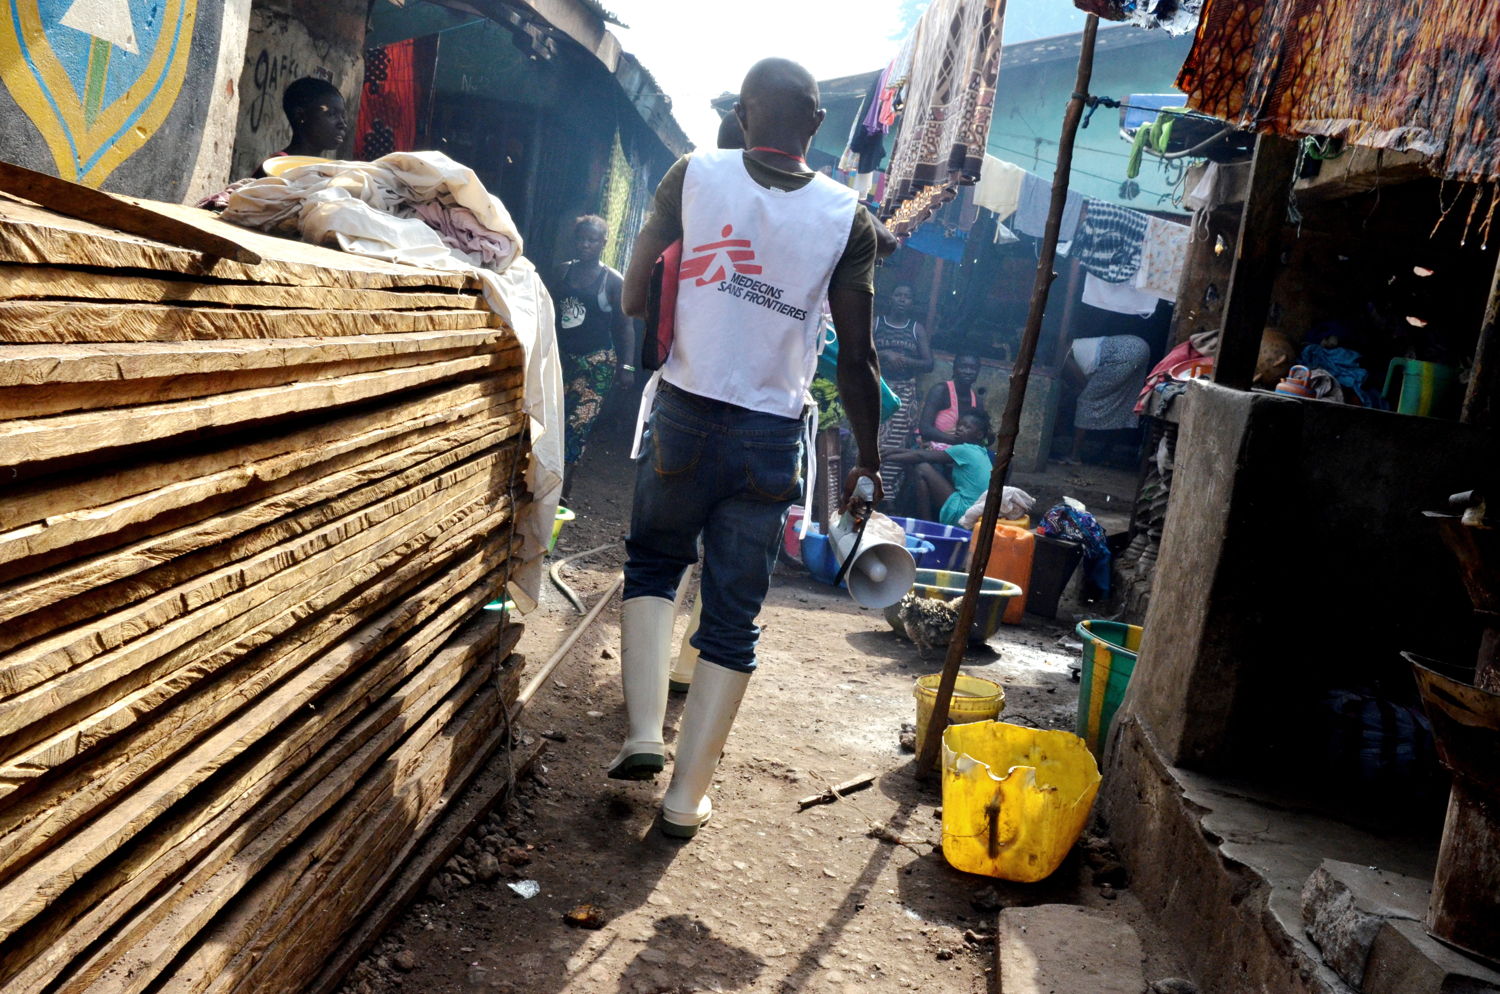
844	897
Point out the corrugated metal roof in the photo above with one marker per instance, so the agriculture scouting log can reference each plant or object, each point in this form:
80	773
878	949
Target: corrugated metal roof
599	11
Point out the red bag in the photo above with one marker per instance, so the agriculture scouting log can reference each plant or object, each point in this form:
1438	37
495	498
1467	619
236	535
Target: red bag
661	307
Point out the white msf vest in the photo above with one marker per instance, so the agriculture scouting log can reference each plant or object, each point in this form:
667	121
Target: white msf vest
755	268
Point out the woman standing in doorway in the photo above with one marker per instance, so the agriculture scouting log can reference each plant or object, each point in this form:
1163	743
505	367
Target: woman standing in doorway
902	344
593	336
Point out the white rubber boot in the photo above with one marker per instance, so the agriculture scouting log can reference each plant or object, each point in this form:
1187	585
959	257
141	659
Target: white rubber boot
681	677
706	720
645	641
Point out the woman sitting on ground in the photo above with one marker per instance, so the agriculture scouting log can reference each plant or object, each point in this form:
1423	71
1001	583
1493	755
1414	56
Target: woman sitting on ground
937	498
945	400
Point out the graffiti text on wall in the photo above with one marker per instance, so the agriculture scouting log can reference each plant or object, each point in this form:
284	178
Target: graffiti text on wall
272	74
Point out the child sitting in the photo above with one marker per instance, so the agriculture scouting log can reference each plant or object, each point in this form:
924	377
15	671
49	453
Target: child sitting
967	458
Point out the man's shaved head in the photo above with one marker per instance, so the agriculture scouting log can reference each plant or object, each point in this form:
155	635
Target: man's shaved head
778	104
780	84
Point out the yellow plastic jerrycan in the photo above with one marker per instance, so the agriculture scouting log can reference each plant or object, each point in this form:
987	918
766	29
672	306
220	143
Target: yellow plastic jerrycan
1014	799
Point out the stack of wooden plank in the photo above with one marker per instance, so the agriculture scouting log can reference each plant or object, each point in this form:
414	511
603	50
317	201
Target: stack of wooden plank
250	516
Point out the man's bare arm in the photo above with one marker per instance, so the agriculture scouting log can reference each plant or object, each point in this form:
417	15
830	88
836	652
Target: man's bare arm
649	245
859	381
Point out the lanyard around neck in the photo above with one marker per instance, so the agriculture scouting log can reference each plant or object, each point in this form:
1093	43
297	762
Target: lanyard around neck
786	155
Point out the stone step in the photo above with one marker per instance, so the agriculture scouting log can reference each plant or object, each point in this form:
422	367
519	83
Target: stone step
1065	949
1368	924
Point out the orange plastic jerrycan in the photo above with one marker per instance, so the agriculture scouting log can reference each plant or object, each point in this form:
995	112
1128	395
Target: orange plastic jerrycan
1010	559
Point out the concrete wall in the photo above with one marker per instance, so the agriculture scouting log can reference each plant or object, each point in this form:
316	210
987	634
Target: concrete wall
1294	559
289	39
1030	100
131	96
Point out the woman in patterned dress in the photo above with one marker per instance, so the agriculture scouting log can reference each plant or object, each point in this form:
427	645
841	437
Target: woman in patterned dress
593	338
902	344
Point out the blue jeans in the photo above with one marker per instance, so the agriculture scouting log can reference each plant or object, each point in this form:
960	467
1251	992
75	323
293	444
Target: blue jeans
728	473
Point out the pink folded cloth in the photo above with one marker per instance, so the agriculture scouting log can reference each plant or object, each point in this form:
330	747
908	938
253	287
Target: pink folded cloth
460	229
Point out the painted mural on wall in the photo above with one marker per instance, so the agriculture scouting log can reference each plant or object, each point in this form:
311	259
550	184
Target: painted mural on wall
108	92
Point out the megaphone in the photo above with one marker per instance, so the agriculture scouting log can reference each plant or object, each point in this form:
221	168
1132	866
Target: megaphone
872	555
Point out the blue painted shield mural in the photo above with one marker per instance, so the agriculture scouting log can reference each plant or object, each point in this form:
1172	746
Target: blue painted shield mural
96	77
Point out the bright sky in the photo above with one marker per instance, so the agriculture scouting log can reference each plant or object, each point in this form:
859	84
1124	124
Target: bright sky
697	50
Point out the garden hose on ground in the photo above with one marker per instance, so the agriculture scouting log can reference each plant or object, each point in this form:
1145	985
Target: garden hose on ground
567	591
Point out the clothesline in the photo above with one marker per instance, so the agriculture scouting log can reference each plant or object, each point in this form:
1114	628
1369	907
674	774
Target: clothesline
1132	259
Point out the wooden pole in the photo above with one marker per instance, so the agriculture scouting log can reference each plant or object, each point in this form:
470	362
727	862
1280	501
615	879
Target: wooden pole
932	297
1484	379
1256	256
1010	420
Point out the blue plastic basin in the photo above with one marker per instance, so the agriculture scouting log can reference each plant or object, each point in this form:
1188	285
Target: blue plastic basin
950	543
817	554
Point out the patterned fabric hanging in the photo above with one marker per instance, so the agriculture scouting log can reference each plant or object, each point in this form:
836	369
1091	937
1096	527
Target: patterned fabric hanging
387	108
951	96
1396	74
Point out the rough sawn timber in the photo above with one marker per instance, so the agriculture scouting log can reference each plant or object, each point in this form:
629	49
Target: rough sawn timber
250	516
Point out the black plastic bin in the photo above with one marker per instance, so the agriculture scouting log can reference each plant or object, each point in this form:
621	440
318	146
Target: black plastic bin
1052	566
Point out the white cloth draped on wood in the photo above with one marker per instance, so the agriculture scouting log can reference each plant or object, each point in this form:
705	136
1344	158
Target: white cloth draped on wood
377	209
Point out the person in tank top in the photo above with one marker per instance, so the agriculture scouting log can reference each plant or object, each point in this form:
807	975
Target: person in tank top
594	338
944	401
905	353
764	239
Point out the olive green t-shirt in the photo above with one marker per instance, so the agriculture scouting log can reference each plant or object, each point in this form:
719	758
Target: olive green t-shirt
856	267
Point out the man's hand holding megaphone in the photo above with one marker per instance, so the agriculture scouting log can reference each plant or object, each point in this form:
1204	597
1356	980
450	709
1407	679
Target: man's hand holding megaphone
862	484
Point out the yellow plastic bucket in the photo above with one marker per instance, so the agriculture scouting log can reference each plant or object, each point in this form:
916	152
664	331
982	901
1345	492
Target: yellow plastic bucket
563	516
974	699
1014	799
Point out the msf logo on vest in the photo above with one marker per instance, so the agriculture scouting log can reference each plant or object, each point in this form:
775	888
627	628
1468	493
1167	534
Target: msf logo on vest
705	267
738	251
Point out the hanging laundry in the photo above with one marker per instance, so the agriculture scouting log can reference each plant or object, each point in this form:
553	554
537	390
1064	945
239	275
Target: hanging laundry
1163	254
872	117
1109	241
1034	204
950	103
867	136
1122	298
999	187
1176	17
1157	136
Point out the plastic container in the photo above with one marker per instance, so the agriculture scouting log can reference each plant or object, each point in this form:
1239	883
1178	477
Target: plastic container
974	699
1014	799
791	541
1010	560
562	517
949	542
1052	566
1109	654
950	586
817	554
1424	387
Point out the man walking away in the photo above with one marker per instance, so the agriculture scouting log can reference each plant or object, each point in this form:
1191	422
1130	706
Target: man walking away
764	238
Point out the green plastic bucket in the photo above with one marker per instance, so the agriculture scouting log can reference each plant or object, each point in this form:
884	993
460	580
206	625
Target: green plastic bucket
1109	653
562	517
